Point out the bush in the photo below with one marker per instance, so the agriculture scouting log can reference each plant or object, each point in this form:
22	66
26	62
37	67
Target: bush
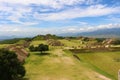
116	42
40	47
32	48
100	39
10	67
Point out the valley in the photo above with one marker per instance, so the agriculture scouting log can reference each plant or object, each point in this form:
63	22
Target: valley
71	59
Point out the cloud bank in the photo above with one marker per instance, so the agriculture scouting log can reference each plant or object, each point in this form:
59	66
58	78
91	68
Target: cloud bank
56	16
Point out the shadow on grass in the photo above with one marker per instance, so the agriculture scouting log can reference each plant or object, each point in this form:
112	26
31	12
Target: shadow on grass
81	50
42	54
23	79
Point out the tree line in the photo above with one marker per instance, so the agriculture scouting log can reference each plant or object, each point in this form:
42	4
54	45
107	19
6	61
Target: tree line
41	47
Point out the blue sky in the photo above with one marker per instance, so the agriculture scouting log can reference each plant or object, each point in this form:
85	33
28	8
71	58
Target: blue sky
33	17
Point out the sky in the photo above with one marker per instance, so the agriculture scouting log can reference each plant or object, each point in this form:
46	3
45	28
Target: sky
33	17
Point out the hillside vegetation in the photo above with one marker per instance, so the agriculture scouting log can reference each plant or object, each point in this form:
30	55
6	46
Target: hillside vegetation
71	58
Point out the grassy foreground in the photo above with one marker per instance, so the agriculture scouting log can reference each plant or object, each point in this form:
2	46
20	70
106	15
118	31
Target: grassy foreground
58	65
107	63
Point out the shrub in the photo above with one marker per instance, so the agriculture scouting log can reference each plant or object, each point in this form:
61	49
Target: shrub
10	67
40	47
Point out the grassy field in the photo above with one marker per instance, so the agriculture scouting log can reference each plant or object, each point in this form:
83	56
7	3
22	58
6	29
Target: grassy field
58	65
38	42
70	43
107	63
4	45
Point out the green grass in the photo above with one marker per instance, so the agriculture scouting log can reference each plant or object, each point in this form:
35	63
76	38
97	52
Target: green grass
20	42
38	42
71	43
61	65
50	67
4	45
58	65
105	63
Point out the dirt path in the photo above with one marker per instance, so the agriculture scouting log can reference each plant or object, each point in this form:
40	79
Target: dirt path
102	77
70	60
58	52
62	57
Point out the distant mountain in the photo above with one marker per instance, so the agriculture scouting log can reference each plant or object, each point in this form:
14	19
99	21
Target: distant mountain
6	37
102	33
10	37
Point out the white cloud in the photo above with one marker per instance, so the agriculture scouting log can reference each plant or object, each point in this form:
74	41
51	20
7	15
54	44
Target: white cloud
51	3
89	28
82	23
15	11
109	26
92	11
32	31
71	29
21	12
114	18
18	30
5	8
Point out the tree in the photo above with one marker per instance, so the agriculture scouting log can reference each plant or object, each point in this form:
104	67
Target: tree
46	48
116	42
40	47
32	48
43	47
10	67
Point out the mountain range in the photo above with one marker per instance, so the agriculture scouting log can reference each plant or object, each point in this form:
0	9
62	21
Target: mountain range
102	33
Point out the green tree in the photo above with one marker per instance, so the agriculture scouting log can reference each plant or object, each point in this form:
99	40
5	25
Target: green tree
10	67
43	47
46	48
116	42
32	48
